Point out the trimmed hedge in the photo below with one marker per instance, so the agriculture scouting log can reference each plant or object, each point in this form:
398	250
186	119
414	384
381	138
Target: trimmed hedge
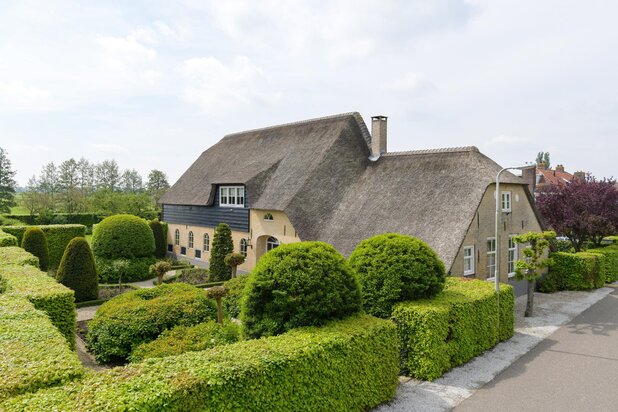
159	238
35	242
14	255
47	295
140	316
298	284
7	239
181	339
611	261
77	271
453	327
34	354
395	268
123	236
58	237
348	365
86	219
231	301
130	270
574	271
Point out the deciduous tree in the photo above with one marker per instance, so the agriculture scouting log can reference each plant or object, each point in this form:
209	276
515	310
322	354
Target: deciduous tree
7	183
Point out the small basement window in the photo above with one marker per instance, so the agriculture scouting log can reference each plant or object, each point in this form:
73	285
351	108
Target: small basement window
232	196
268	216
468	260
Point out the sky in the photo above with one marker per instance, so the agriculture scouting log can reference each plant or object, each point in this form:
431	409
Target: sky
152	84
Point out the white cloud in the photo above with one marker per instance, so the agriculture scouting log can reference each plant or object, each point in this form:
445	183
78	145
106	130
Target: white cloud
109	148
17	96
121	52
413	83
504	139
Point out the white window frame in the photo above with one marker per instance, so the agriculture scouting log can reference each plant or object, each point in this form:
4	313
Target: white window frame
243	247
206	243
191	239
506	200
468	259
491	255
231	196
268	217
177	237
270	245
513	255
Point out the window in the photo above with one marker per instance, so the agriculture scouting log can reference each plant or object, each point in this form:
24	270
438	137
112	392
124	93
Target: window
232	196
190	240
170	247
177	237
491	257
268	216
512	255
243	247
272	243
198	254
183	250
506	201
468	260
206	247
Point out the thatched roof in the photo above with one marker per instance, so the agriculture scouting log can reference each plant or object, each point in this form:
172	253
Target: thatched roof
318	172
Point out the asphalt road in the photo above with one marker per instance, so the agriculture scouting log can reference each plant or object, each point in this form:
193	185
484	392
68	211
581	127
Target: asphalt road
574	369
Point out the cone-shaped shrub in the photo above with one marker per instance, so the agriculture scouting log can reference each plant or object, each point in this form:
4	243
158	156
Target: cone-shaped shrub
222	245
395	268
159	238
77	270
35	242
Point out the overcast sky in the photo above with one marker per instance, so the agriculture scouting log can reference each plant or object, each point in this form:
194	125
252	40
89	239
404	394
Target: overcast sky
152	84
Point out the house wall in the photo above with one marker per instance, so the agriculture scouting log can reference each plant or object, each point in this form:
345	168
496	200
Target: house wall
521	220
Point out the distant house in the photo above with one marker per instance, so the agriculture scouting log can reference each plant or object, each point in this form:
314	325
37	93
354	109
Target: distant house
544	176
329	179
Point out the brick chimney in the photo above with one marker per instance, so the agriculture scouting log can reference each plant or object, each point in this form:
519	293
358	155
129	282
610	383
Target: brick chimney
378	135
560	168
528	174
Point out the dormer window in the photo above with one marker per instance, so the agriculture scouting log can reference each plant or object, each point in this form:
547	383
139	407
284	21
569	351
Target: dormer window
232	196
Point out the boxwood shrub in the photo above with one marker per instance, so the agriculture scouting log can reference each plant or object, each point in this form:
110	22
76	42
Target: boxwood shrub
574	271
7	239
231	302
35	242
453	327
34	354
123	236
160	244
181	339
77	270
611	261
298	284
58	237
394	268
127	270
140	316
347	365
14	255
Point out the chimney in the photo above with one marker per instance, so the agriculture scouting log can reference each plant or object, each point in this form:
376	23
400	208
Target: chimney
528	174
560	168
378	136
579	175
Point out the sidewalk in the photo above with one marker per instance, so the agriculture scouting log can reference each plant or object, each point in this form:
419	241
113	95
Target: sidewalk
550	312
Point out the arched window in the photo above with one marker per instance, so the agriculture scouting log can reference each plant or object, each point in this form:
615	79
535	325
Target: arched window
268	216
243	247
272	243
190	240
177	237
206	247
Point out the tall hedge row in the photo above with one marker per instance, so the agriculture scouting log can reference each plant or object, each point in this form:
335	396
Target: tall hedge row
347	365
458	324
611	261
58	237
574	271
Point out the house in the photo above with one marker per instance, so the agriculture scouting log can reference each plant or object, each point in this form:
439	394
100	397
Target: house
540	176
329	179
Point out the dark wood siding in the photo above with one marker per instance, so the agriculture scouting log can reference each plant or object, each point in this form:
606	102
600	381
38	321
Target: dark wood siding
208	216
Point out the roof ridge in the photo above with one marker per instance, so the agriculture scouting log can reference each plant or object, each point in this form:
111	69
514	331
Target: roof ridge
434	151
356	116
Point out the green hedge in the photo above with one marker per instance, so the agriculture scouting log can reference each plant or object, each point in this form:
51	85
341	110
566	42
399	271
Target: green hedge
47	295
231	302
7	239
58	237
86	219
574	271
140	316
130	270
453	327
35	242
123	236
347	365
611	261
14	255
33	353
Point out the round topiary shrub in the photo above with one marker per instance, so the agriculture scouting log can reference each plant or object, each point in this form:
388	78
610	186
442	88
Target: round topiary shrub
393	268
123	236
77	270
35	242
159	238
140	316
298	284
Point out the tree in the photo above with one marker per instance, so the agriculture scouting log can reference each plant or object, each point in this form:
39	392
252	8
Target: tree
31	197
86	176
68	185
48	184
216	293
77	270
7	183
35	242
108	175
159	269
222	245
583	209
131	181
233	260
157	184
534	262
543	158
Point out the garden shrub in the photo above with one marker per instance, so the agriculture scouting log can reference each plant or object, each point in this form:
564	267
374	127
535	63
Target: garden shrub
123	236
298	284
456	325
58	237
190	275
611	261
7	239
394	268
231	302
222	245
14	255
127	270
181	339
86	219
34	353
574	271
159	239
77	270
35	242
140	316
348	365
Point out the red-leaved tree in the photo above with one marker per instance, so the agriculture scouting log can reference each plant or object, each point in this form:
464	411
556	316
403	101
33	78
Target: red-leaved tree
584	209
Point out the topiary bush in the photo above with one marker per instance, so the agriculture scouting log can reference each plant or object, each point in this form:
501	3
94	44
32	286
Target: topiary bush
7	239
395	268
35	242
181	339
222	245
137	317
299	284
123	236
235	288
159	238
125	270
574	271
77	270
